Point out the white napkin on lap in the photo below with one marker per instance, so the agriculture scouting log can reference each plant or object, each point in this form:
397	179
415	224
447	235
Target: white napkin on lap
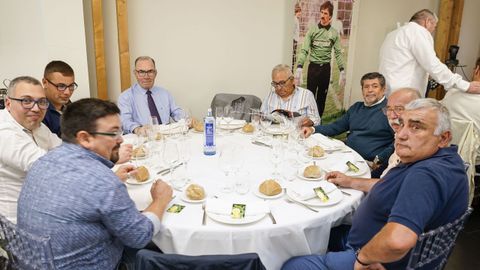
224	207
304	191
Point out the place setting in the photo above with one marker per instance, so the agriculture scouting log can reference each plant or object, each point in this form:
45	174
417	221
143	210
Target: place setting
316	194
235	212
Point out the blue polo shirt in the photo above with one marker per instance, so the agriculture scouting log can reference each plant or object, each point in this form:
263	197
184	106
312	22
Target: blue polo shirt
421	196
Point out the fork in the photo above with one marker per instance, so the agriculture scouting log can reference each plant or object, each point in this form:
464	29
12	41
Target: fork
204	219
288	200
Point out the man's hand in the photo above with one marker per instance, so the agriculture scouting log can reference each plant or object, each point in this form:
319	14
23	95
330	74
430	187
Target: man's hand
306	122
339	179
298	76
307	131
124	171
373	266
140	131
161	192
341	79
474	87
124	153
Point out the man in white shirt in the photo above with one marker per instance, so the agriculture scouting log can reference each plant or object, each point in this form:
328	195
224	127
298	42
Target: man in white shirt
407	57
23	138
288	97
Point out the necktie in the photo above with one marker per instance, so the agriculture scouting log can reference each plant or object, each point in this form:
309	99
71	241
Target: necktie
152	107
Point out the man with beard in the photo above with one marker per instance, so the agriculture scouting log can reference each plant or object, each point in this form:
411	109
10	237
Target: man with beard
59	84
318	43
23	139
81	204
369	132
144	100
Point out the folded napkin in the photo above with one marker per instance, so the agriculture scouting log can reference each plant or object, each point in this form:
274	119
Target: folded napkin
224	207
340	163
234	122
177	125
325	142
304	191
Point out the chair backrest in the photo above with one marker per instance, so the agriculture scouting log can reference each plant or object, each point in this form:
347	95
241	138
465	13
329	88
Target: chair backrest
149	260
25	250
434	247
238	102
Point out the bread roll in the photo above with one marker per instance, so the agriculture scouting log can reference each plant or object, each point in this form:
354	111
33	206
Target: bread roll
248	128
270	187
198	126
195	192
312	171
142	174
139	152
158	136
316	151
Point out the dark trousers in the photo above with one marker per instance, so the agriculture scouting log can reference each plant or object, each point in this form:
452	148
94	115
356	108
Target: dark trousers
294	55
318	79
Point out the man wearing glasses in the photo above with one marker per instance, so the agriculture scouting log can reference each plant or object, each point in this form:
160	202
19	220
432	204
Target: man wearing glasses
286	96
82	205
59	84
23	139
143	100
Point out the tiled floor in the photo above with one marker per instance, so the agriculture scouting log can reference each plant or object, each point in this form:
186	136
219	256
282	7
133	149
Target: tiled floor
466	254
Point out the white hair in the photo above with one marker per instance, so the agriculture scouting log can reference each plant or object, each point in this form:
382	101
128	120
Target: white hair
433	104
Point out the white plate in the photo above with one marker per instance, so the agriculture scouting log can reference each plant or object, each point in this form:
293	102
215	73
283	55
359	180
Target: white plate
133	181
362	170
186	199
277	130
246	133
315	158
300	175
230	127
139	158
335	197
263	196
227	219
173	130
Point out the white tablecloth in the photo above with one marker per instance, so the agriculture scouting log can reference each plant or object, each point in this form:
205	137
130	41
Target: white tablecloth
298	231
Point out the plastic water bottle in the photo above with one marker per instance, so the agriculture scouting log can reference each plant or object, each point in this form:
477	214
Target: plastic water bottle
209	147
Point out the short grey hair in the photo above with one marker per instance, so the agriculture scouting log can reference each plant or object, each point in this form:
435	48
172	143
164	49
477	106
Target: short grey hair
433	104
282	68
25	79
422	15
142	58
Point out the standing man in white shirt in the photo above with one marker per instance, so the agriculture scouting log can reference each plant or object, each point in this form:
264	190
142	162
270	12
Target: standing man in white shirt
407	57
23	138
143	100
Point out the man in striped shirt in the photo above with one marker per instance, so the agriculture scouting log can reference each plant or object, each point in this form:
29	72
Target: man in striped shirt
285	95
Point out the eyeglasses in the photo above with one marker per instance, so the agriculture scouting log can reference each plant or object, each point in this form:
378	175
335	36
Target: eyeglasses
28	103
63	87
397	109
143	73
280	84
115	135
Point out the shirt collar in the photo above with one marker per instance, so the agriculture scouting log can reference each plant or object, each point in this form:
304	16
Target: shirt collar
15	123
78	148
378	102
327	27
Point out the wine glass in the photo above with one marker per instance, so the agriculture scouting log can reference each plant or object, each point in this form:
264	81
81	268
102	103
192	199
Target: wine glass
186	115
276	156
228	115
265	121
225	160
171	154
219	114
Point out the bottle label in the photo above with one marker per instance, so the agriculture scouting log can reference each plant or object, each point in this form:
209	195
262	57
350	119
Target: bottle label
209	134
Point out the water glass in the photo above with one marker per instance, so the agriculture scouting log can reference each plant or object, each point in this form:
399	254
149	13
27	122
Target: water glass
242	183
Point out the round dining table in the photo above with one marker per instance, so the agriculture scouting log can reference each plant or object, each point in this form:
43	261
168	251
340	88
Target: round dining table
275	227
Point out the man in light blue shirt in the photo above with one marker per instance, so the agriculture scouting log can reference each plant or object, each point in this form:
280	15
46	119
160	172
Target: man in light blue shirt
136	108
81	204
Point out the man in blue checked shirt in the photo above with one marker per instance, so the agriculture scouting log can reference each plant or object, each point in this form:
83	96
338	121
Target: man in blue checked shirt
72	195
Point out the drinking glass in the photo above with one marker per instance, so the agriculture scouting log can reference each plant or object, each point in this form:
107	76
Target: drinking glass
171	154
225	160
186	115
265	121
228	115
219	114
276	156
242	182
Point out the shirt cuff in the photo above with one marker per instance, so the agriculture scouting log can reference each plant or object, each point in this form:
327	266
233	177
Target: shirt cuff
157	225
463	85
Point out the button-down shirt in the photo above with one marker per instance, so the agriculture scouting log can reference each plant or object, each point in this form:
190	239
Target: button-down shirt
19	149
319	42
134	109
300	100
52	119
71	195
407	55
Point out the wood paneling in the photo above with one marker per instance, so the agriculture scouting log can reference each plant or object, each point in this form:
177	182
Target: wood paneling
98	40
123	47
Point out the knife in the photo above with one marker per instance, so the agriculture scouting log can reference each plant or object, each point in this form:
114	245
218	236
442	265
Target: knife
272	218
204	219
165	171
261	144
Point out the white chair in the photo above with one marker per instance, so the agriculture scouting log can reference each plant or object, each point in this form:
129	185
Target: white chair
466	137
25	251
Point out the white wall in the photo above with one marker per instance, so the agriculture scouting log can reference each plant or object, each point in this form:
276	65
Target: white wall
33	33
205	47
469	40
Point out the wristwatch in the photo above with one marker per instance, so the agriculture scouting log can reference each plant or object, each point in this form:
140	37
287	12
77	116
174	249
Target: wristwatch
376	160
358	260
